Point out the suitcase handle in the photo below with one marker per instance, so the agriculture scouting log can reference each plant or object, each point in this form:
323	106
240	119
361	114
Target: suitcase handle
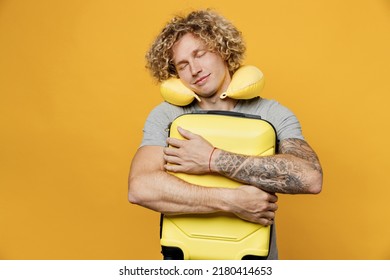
230	113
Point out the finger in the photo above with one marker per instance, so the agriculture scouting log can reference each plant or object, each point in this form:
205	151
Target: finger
171	151
271	207
265	222
174	142
171	167
272	198
267	207
172	159
269	215
186	133
174	166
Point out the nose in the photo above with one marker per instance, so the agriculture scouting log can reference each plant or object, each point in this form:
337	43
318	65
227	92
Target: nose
195	68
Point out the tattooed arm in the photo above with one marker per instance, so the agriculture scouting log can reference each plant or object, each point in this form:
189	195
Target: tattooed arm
296	169
150	186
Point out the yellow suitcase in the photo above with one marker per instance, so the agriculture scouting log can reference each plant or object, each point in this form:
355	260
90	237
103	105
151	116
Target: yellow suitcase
221	236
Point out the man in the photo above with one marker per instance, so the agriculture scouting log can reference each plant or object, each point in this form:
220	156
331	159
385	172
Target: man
204	50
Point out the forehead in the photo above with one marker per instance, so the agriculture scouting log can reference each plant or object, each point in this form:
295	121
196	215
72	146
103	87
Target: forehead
186	46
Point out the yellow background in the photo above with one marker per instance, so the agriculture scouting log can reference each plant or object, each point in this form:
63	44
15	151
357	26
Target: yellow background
74	95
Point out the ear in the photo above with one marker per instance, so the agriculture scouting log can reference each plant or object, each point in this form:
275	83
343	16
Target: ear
247	82
176	93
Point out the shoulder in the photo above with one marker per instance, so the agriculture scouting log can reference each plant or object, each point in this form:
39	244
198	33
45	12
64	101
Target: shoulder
266	107
161	116
156	126
282	118
167	110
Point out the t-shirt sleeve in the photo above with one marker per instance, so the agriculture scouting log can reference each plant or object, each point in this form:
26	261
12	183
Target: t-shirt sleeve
155	131
285	122
156	128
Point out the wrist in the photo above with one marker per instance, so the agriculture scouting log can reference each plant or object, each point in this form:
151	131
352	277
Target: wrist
212	162
210	158
224	199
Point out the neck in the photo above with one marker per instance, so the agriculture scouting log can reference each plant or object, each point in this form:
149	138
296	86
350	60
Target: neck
216	103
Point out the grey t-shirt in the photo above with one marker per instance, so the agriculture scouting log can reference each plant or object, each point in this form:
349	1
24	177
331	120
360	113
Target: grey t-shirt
284	121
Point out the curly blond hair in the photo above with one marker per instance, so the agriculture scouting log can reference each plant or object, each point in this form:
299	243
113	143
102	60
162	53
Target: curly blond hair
220	35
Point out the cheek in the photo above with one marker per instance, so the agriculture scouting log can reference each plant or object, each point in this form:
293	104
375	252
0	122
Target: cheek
213	59
185	78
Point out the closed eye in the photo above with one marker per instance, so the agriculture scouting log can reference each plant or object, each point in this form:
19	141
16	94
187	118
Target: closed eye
200	53
182	66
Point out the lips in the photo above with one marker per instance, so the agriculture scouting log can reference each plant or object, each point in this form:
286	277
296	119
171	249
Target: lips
201	80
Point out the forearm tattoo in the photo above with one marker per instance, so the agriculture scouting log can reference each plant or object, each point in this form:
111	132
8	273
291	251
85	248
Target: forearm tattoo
272	173
301	149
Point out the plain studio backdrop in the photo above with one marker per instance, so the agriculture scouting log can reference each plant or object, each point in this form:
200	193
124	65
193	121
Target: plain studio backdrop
75	94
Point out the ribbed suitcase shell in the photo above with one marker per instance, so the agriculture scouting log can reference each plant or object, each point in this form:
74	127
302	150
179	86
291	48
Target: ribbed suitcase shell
220	235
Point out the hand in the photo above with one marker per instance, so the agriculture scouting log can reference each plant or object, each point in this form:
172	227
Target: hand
190	155
254	205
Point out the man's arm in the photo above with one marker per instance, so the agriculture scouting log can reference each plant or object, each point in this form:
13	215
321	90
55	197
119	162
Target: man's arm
150	186
296	169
